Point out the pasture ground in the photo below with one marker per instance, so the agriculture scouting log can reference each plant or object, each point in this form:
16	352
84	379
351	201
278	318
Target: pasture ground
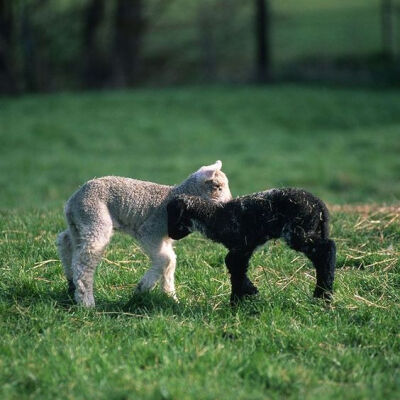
341	144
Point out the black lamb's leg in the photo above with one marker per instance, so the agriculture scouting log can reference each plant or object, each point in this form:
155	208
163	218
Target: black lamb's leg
237	262
322	253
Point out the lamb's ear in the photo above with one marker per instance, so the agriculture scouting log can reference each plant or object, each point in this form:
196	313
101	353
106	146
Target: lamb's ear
207	172
175	210
176	229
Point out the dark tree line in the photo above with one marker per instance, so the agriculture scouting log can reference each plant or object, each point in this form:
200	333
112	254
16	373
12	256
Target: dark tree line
48	45
7	78
129	26
24	63
263	30
27	60
94	70
387	24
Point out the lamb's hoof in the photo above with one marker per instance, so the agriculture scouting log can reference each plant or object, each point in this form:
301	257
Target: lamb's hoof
173	296
85	301
322	293
247	289
250	291
138	288
71	288
141	288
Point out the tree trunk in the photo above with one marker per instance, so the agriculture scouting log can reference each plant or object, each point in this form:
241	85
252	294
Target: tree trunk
129	29
387	15
207	42
29	51
263	48
94	71
7	77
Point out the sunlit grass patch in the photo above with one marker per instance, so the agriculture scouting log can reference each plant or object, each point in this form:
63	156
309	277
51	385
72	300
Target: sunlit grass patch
283	343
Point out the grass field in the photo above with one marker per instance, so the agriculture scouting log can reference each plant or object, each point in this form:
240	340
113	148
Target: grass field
341	144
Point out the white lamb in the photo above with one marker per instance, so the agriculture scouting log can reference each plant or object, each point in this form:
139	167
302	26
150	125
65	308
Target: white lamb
137	208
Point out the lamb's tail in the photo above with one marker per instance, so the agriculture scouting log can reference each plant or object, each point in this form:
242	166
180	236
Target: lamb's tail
324	221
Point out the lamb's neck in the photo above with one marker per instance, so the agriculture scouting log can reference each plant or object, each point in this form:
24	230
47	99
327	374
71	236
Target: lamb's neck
202	213
188	186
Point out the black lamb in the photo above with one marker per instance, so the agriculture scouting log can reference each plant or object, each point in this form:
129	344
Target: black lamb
247	222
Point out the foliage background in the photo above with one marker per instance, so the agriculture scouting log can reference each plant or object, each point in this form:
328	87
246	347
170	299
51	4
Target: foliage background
72	44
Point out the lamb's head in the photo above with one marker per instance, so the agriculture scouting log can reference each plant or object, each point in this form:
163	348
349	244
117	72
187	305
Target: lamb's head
179	222
210	182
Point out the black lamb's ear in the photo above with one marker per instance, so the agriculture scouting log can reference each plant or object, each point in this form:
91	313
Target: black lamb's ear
175	210
176	227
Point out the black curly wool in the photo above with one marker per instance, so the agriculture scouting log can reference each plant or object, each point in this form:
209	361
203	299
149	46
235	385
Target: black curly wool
247	222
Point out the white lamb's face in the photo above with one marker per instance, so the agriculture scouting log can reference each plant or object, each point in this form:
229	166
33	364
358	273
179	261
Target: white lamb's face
217	188
213	183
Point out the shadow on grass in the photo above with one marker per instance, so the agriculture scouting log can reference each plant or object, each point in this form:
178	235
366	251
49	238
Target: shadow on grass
28	294
142	306
157	303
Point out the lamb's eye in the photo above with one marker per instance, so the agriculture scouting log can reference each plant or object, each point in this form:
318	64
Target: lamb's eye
213	186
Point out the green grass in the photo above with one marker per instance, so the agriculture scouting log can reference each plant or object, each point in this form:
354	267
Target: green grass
341	144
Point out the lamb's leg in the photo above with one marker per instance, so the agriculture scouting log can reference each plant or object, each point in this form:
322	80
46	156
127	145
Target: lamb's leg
168	275
65	251
84	262
237	262
322	253
163	265
90	241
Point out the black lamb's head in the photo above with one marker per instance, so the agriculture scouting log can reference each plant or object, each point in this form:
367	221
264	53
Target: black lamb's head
178	219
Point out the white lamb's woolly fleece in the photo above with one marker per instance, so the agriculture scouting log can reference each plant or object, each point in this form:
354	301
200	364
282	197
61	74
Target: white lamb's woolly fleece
137	208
